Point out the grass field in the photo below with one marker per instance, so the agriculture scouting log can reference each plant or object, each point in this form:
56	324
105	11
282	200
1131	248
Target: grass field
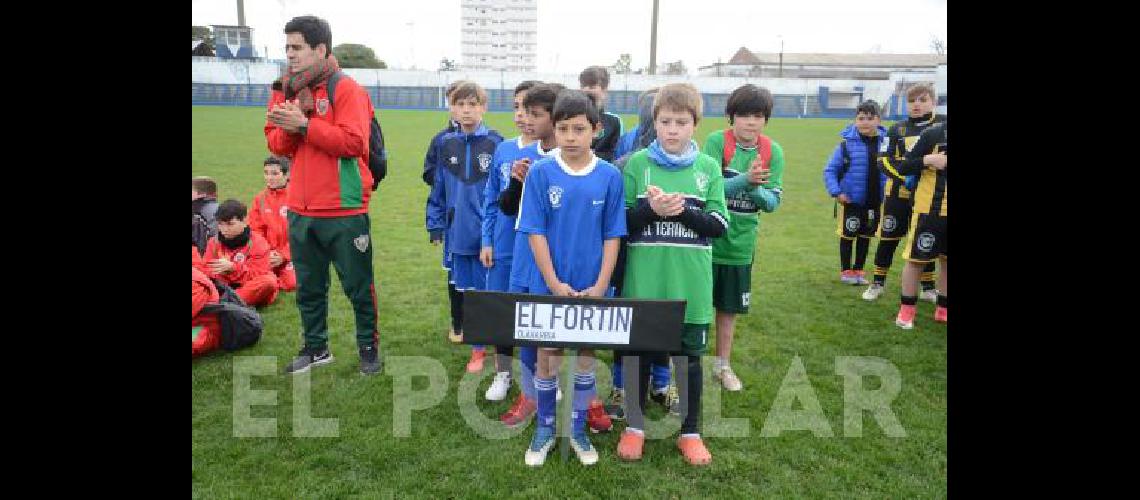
799	310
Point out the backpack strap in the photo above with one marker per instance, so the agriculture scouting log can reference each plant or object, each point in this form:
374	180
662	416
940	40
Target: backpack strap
729	148
333	79
764	149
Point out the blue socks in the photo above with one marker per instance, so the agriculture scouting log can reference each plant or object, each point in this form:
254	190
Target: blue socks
584	392
546	389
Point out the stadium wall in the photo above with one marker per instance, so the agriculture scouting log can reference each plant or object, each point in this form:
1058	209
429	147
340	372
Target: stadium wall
246	83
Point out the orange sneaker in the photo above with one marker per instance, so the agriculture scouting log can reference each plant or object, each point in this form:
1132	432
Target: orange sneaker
630	445
597	418
694	451
520	412
905	319
940	314
475	365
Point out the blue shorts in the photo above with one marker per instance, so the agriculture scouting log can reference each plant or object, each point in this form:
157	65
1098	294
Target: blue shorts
499	275
518	288
467	273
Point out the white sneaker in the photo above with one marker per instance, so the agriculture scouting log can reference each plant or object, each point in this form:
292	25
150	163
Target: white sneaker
499	388
931	295
728	379
873	292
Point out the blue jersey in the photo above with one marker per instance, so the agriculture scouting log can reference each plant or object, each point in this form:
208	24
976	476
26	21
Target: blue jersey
499	228
455	205
522	263
577	212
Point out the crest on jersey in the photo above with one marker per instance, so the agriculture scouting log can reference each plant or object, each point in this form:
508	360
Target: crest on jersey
925	241
284	211
453	160
702	181
852	223
889	223
885	145
361	242
484	162
239	257
555	193
322	106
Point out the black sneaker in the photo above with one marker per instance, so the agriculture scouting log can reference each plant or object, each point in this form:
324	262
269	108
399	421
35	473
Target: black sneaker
308	357
370	360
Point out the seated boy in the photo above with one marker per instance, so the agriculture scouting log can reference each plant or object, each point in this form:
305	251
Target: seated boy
204	200
205	330
240	258
267	219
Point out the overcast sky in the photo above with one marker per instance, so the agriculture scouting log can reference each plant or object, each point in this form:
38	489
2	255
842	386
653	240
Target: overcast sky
578	33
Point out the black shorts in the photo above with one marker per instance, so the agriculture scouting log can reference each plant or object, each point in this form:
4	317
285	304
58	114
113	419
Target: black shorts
895	221
927	238
732	288
856	221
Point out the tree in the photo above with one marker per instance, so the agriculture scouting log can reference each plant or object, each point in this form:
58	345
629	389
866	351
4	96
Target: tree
624	65
446	64
203	33
355	55
676	68
938	46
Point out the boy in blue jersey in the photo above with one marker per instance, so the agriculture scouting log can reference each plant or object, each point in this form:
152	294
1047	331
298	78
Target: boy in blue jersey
498	229
506	190
573	215
455	205
431	159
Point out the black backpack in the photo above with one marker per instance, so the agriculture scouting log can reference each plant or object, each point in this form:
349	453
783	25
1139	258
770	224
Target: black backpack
200	232
241	324
377	154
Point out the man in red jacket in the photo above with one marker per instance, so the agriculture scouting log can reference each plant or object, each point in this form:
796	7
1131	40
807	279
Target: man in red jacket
329	189
267	218
240	258
205	329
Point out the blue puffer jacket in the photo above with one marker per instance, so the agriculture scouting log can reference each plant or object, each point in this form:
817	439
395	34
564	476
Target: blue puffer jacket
852	179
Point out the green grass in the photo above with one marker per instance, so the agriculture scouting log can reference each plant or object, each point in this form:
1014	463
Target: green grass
798	310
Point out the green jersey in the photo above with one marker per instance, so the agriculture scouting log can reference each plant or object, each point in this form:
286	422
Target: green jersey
738	245
666	259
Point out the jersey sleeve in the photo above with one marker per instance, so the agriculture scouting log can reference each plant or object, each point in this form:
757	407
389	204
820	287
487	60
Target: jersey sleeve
615	209
533	209
896	150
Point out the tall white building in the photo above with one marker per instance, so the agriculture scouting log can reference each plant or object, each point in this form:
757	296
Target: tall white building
499	35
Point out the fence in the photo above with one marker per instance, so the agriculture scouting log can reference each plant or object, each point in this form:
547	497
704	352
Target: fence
245	83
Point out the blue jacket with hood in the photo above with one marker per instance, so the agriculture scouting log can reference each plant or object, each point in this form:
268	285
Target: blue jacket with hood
455	205
850	178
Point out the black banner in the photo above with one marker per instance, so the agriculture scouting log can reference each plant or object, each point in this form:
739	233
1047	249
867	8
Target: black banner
518	319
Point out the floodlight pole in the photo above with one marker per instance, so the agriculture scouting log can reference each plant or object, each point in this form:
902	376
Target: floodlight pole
653	42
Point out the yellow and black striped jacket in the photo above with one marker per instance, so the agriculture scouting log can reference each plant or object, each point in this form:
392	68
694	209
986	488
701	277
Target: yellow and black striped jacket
901	138
930	194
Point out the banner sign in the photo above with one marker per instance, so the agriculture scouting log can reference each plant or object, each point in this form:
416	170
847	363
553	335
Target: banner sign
517	319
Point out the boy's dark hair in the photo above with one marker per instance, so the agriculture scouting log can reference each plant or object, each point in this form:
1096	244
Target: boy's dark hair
526	85
543	95
204	185
869	107
571	103
749	99
921	88
281	163
314	30
595	75
229	210
467	89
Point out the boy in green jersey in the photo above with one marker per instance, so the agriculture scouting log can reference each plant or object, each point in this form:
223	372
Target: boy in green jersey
674	197
753	169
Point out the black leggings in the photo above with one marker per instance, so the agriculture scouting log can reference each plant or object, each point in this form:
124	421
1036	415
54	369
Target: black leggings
689	380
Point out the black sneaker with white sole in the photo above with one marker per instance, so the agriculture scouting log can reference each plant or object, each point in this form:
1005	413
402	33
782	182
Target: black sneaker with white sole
370	360
309	356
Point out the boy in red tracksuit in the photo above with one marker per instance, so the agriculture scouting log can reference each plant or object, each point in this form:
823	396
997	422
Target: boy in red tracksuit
240	258
267	219
206	331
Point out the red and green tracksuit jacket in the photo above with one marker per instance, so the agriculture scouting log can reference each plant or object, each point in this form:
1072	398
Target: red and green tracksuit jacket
329	176
267	218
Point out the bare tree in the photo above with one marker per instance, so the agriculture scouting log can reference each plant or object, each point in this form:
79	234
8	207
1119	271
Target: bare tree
937	45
